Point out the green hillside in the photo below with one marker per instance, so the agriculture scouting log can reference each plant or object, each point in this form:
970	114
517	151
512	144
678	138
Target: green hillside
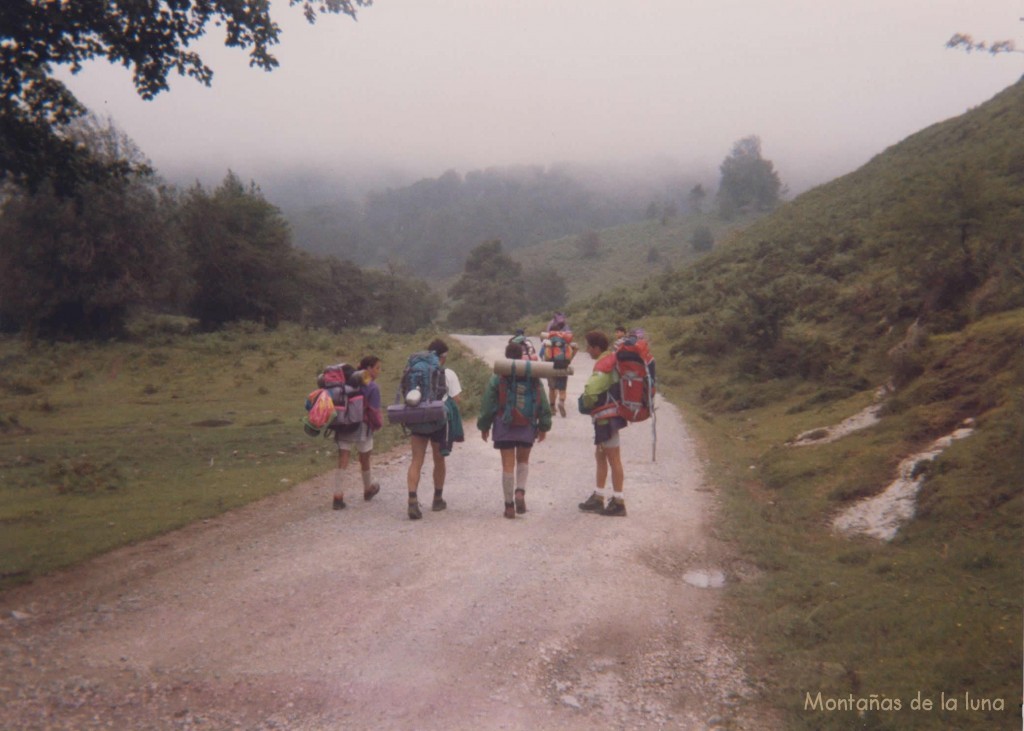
907	274
624	255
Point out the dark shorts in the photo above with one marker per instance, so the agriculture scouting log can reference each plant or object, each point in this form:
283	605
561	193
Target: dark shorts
604	432
437	437
511	444
559	383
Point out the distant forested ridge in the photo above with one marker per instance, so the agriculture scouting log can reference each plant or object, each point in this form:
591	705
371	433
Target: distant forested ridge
433	224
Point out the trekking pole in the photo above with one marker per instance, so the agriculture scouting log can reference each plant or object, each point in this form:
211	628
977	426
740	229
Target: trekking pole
654	433
654	422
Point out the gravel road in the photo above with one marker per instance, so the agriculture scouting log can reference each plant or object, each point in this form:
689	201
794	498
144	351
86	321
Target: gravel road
289	615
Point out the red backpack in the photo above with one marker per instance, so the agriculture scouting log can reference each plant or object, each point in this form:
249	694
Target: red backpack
631	395
558	346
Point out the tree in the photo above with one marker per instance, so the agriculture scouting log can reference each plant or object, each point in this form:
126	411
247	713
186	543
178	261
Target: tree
696	198
545	289
702	239
74	266
338	294
400	304
151	38
490	295
748	180
240	253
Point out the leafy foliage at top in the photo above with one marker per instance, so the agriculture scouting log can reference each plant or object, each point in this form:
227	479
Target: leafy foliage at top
152	39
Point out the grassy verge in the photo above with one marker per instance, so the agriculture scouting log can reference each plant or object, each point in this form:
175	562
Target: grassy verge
934	614
104	445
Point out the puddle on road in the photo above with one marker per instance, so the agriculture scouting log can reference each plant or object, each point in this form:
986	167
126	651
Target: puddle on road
705	579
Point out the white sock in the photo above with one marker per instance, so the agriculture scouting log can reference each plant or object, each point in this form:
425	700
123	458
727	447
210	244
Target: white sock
508	485
599	491
366	479
522	472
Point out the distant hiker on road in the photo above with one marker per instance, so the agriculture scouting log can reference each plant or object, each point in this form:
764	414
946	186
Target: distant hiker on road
519	411
440	440
606	432
558	347
558	322
529	353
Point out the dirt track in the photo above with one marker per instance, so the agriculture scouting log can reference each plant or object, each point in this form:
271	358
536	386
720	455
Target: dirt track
288	615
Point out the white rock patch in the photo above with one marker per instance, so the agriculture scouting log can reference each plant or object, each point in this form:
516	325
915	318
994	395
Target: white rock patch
882	515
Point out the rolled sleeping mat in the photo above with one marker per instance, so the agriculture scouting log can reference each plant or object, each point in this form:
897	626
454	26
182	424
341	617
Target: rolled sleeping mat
531	368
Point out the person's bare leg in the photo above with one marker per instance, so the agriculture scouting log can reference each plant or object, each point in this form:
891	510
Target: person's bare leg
338	503
440	472
412	480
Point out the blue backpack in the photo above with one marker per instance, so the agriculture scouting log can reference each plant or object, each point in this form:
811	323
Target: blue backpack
424	371
428	413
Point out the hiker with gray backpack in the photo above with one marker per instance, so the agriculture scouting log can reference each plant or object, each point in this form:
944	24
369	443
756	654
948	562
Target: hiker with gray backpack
516	406
426	406
346	407
360	435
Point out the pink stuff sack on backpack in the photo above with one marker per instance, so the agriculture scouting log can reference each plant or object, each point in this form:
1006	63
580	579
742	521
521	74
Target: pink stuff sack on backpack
320	408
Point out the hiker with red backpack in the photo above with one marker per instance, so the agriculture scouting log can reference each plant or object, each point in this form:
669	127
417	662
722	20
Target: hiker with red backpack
607	454
620	391
360	435
558	347
519	411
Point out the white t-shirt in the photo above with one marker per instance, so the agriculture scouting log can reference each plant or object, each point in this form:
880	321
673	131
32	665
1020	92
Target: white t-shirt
452	381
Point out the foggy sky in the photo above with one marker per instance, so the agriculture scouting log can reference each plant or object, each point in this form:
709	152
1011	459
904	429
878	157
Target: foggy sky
467	84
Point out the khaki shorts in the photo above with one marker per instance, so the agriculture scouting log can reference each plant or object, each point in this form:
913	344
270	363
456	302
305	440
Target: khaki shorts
361	439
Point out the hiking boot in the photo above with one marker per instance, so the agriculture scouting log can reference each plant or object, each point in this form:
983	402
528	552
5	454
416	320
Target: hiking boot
520	501
615	509
593	504
561	408
414	511
339	503
438	504
510	510
372	490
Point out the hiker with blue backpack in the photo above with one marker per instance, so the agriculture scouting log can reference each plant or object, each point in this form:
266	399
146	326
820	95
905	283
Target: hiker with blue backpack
360	435
518	409
427	407
529	353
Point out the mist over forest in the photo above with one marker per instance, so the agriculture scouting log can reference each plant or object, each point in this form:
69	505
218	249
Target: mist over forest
383	216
